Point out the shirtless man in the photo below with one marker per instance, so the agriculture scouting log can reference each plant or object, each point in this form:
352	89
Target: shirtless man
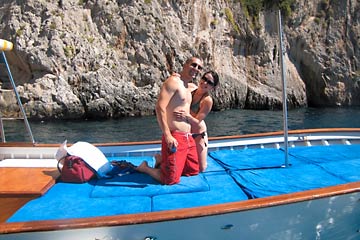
178	150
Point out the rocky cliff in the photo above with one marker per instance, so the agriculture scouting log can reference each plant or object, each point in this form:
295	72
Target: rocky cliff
107	58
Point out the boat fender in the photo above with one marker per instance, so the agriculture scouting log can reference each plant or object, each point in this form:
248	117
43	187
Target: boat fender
6	45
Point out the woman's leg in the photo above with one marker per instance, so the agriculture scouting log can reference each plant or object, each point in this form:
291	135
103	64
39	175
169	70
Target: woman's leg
201	146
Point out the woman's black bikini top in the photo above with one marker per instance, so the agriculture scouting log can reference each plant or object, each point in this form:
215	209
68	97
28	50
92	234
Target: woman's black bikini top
195	107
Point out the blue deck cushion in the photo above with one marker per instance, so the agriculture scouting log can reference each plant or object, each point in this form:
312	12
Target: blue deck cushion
249	158
139	184
54	208
67	200
275	181
71	190
223	189
348	170
213	166
321	154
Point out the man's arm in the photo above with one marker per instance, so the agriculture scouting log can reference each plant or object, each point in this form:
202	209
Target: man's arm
205	109
167	91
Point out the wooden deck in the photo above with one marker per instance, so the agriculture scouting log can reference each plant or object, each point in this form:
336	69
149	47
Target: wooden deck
20	185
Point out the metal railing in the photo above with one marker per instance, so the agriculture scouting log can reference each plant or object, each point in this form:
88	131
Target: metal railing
8	46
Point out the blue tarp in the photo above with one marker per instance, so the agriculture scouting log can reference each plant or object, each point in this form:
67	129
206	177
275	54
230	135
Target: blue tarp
249	158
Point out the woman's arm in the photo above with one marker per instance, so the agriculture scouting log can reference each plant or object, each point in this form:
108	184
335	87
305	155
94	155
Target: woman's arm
205	108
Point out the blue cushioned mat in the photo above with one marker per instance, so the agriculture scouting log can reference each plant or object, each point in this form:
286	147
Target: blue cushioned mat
348	170
139	184
213	166
52	208
223	189
275	181
66	200
71	190
249	158
321	154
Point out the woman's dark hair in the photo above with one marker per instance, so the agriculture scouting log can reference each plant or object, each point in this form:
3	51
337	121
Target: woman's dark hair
214	75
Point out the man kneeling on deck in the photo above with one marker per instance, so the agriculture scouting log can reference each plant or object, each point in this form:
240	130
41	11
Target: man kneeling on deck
178	150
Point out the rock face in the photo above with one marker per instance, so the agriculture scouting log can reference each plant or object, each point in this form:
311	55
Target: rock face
108	59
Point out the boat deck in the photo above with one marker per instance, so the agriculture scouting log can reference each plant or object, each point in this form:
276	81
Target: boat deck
232	175
20	185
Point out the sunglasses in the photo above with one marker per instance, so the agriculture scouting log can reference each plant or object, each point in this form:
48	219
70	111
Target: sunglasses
211	83
195	65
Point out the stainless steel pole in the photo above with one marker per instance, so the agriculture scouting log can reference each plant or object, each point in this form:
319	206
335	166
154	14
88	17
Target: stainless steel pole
2	130
284	98
18	98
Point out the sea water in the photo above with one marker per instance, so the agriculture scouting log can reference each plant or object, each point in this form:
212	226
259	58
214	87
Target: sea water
223	123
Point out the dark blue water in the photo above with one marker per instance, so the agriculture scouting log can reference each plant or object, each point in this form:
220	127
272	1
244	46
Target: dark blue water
231	122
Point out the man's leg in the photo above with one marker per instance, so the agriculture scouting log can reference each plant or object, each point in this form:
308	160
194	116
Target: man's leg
158	160
192	161
153	172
